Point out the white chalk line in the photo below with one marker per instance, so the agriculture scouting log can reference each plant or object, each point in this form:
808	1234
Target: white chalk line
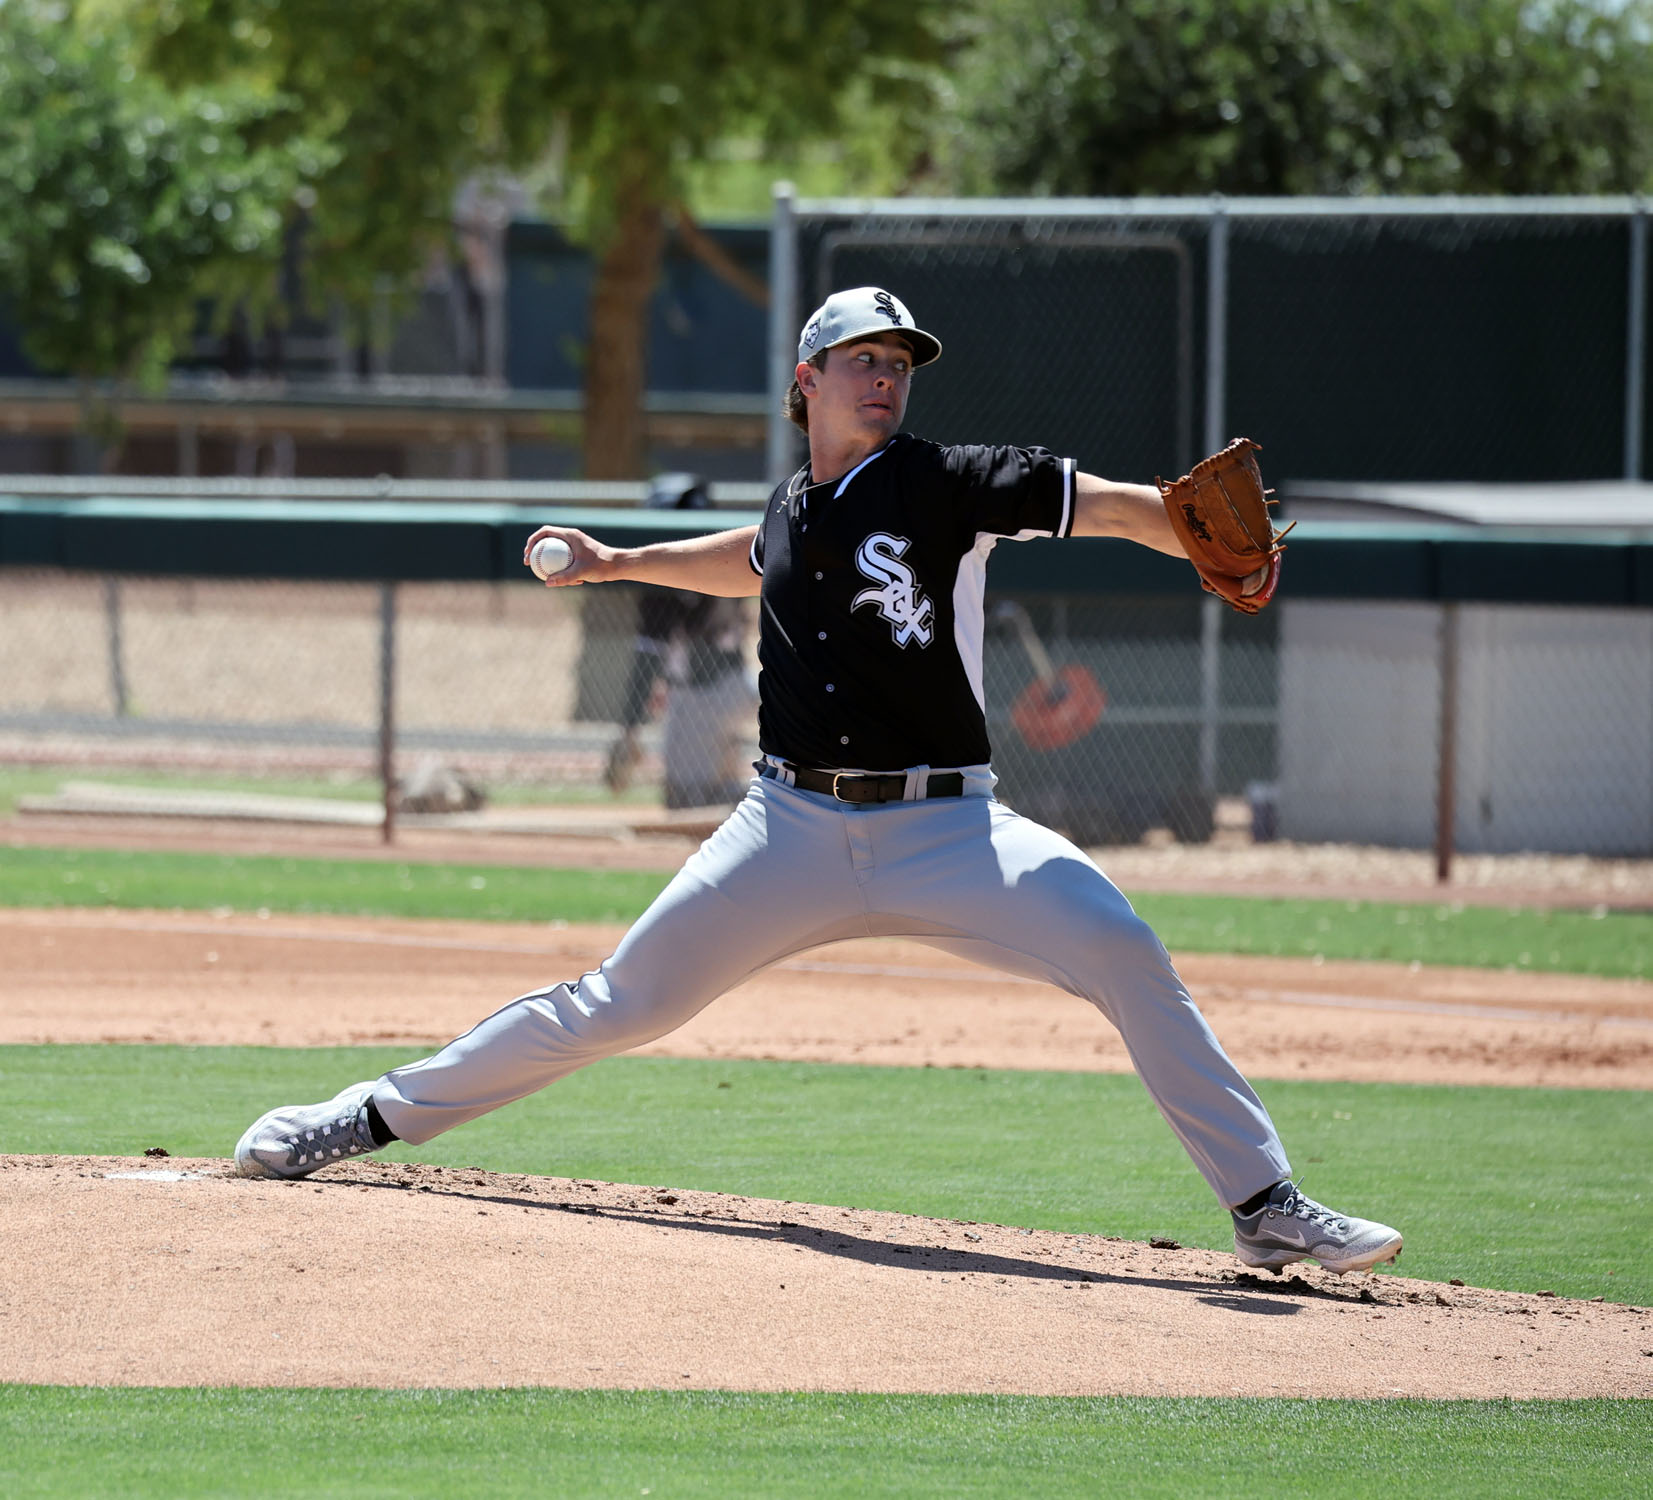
1309	999
152	1175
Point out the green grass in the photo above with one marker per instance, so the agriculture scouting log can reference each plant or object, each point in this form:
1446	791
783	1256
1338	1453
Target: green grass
146	879
1525	1189
1589	941
360	1444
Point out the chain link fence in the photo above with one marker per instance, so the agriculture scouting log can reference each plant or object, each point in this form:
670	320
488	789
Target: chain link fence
1319	721
1080	338
1366	342
1377	339
511	691
1109	717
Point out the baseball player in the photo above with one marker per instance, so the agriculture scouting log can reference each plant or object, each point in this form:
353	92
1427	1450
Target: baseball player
872	813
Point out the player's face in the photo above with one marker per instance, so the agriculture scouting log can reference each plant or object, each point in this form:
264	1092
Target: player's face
863	389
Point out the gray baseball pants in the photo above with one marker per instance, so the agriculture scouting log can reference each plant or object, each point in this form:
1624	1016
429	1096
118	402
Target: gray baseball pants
791	870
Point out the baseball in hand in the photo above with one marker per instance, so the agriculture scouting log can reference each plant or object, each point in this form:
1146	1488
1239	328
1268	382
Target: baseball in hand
550	556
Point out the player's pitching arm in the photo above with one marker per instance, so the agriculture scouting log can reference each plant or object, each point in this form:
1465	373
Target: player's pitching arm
717	564
1134	513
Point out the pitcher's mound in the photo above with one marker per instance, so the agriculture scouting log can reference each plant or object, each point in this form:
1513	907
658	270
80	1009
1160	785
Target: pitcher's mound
172	1272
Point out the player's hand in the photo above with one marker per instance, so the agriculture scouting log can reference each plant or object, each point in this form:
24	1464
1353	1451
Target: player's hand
589	562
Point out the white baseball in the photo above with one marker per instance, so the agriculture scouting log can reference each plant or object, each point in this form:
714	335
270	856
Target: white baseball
550	556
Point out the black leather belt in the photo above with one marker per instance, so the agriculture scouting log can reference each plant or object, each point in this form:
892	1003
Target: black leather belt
865	786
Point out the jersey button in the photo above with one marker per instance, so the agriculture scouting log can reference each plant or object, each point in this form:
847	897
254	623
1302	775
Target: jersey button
818	577
830	688
843	739
820	635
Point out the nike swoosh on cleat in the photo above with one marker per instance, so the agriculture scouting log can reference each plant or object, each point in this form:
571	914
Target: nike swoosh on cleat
1296	1237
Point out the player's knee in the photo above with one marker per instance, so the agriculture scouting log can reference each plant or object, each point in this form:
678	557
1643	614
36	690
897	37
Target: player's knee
600	1020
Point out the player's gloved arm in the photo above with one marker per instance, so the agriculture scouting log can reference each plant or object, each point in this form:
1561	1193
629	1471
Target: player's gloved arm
716	564
1134	513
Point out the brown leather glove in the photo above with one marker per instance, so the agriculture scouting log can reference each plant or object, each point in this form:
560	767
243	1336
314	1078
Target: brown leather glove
1219	511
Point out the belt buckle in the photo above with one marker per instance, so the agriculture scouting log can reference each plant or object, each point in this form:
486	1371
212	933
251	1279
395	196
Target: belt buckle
838	776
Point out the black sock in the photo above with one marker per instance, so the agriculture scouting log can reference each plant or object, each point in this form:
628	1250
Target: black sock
1251	1205
382	1134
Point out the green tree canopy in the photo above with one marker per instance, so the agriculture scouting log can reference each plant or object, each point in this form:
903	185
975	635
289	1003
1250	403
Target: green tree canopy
610	104
1125	97
123	203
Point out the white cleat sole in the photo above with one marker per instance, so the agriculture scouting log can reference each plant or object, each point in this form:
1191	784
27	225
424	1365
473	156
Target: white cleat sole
1278	1260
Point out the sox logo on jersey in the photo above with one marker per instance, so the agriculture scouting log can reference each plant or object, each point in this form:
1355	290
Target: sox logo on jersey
897	597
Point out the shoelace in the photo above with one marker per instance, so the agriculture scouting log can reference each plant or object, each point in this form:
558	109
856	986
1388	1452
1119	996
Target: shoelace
1297	1206
336	1138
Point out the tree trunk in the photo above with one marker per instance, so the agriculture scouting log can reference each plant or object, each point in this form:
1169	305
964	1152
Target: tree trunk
616	358
101	438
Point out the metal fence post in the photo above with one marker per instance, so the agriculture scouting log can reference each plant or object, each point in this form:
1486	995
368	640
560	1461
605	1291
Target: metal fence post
1211	648
1216	329
1447	770
117	647
1636	343
1216	420
783	335
387	704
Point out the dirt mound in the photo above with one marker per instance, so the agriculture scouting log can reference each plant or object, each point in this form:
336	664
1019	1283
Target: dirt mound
130	1271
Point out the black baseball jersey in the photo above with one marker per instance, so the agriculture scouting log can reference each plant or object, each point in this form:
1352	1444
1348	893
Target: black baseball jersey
870	642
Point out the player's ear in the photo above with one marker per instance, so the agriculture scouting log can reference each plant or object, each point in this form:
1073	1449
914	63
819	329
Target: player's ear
805	376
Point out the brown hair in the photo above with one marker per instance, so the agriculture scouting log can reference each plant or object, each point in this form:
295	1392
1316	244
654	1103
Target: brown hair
794	404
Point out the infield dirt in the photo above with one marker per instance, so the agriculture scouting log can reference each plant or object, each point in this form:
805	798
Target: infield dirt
188	977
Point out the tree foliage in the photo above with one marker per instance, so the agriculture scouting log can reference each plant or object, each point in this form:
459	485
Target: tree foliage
1120	97
122	203
406	96
608	105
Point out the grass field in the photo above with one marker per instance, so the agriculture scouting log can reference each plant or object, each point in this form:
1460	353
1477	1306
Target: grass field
1590	941
1526	1189
359	1445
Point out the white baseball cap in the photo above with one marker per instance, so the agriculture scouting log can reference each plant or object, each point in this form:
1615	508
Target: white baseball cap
860	311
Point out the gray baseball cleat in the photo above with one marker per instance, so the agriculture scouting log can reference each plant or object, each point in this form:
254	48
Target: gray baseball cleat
299	1138
1290	1227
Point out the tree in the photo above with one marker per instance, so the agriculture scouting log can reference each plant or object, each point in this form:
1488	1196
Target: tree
1111	97
613	102
123	204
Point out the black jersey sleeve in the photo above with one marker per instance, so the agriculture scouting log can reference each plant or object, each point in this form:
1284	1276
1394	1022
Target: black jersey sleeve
1017	493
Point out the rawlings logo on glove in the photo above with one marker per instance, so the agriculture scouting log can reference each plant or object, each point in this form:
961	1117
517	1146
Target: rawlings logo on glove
1219	511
